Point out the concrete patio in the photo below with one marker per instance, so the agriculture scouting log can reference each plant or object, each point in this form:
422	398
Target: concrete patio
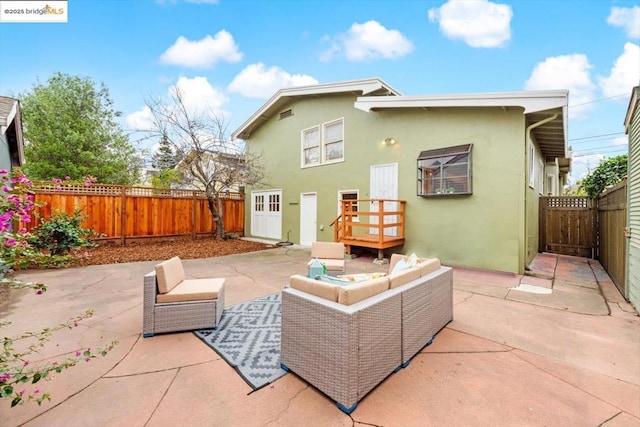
562	350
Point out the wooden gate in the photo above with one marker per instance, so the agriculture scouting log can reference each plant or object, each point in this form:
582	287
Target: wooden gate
568	226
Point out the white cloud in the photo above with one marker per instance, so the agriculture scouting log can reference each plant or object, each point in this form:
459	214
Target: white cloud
198	96
621	140
581	166
569	72
203	53
628	18
140	120
370	40
625	73
479	23
257	81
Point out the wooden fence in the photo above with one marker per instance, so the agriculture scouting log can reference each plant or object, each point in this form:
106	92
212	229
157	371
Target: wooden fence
568	226
612	220
122	212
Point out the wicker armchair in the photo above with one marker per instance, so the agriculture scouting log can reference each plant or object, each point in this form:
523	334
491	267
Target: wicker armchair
172	303
331	254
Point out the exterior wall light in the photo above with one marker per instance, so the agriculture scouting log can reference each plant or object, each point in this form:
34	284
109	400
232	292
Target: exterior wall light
390	141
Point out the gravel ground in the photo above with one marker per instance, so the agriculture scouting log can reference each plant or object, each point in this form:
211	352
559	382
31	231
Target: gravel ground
185	248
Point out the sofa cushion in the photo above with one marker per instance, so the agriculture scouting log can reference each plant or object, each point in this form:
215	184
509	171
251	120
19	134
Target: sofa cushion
428	266
318	288
334	250
351	294
193	290
168	274
403	277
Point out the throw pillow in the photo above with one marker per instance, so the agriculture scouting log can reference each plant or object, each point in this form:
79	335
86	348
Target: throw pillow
412	260
400	265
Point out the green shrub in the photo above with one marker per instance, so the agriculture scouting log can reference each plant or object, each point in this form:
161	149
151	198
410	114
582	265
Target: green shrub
63	233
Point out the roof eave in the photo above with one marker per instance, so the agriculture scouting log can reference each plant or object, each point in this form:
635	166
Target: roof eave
530	101
633	104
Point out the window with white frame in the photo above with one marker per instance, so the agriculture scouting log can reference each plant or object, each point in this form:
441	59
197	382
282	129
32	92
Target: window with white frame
311	146
532	163
323	144
349	197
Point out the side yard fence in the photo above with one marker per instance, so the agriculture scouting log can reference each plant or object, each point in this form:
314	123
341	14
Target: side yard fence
122	213
594	228
612	221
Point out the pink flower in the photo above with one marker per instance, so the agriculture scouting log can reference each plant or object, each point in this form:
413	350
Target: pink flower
78	353
67	178
22	230
26	363
56	180
39	292
87	184
3	172
87	359
36	391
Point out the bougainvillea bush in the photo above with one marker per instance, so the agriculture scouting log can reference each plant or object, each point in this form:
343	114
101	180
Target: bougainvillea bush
17	203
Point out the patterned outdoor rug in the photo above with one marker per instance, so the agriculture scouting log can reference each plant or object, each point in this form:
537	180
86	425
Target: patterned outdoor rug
248	338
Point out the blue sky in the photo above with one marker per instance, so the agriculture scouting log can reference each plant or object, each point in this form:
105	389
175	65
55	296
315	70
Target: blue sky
232	55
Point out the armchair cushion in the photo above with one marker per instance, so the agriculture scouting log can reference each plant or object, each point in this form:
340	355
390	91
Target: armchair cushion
352	294
193	290
330	250
169	273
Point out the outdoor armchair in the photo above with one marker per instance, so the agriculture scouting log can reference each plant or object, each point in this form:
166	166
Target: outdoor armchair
172	303
331	254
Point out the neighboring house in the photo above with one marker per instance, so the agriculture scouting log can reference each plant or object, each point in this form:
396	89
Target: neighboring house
11	140
632	128
471	167
225	167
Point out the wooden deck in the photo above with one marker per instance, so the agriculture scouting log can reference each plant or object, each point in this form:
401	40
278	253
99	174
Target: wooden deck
380	228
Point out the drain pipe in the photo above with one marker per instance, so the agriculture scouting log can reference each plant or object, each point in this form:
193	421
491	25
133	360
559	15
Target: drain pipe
526	184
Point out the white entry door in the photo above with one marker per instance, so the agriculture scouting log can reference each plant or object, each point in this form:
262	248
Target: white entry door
266	214
384	185
308	218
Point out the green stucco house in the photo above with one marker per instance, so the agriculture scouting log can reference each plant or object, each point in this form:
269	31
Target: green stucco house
468	168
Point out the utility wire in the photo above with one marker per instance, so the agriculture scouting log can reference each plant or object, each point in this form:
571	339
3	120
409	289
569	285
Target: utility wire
598	100
596	136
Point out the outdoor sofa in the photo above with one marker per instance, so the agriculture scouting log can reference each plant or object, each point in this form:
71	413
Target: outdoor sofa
345	340
172	303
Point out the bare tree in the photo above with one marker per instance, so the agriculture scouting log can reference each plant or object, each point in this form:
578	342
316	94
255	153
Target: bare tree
211	161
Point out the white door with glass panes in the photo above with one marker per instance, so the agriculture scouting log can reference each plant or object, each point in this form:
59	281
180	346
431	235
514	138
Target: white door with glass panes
308	218
266	214
384	185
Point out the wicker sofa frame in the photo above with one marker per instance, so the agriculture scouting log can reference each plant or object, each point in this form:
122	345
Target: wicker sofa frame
346	351
177	316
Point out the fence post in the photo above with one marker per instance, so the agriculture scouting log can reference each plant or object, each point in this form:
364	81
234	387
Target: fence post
194	216
123	215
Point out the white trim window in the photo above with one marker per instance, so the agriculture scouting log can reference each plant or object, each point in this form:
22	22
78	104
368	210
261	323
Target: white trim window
323	144
532	163
311	146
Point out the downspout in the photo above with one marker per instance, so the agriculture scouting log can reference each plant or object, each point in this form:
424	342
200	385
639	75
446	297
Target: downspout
526	183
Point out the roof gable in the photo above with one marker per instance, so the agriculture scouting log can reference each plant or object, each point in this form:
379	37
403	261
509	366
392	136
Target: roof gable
374	87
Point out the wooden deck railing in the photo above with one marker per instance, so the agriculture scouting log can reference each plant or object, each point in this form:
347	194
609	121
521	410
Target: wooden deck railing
380	227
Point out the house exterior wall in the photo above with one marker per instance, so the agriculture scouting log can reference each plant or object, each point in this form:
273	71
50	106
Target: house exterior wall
483	230
633	206
5	153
